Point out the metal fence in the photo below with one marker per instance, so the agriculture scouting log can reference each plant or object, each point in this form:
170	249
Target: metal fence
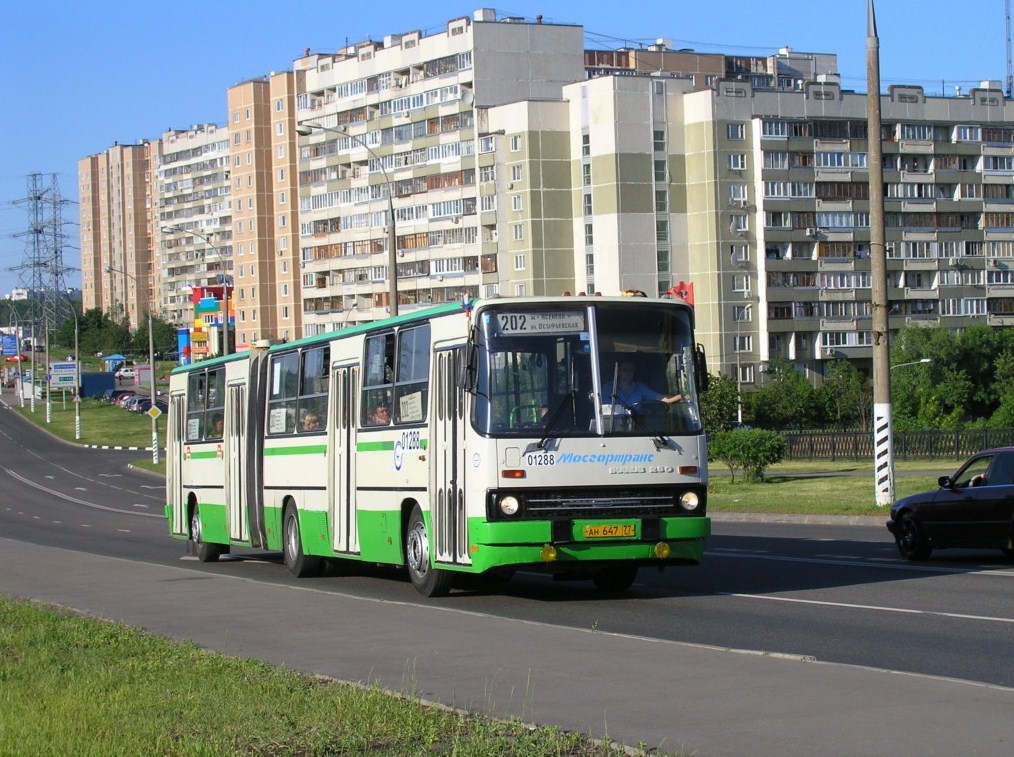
908	445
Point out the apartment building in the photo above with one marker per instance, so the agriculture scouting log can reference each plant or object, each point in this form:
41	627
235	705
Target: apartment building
779	240
194	226
114	195
392	124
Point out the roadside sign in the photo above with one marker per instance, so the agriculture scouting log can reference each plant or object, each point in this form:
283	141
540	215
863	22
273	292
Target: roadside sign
58	368
154	412
62	380
10	344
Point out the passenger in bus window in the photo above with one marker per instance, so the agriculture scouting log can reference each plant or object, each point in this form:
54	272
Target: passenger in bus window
311	422
217	427
380	416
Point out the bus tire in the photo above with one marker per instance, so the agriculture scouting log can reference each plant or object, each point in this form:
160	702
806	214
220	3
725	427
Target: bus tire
299	564
427	580
205	552
615	579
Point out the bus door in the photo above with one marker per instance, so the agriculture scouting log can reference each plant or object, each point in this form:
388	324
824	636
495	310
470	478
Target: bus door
447	462
341	484
174	466
235	462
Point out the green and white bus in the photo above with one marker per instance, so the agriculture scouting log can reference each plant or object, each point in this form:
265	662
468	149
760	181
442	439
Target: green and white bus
481	437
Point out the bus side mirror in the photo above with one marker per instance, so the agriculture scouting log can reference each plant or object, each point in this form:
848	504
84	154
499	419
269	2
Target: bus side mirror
701	377
467	367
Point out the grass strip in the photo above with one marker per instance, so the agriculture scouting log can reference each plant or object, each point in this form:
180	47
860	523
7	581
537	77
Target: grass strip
71	684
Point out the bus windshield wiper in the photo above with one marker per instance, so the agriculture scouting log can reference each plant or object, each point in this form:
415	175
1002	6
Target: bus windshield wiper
557	412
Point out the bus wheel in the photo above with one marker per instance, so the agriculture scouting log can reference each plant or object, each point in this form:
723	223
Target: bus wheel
205	552
427	580
615	579
298	563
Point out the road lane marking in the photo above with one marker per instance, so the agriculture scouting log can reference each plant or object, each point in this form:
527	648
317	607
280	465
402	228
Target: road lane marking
876	608
744	555
75	500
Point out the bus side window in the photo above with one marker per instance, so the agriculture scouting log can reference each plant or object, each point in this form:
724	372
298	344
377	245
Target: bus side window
196	391
215	409
378	378
283	392
411	388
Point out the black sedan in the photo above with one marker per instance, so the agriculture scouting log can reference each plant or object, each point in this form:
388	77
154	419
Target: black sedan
972	508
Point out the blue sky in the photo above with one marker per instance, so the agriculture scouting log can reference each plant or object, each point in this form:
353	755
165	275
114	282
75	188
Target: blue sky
75	77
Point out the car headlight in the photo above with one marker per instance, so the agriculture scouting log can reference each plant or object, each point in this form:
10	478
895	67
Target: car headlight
509	505
690	501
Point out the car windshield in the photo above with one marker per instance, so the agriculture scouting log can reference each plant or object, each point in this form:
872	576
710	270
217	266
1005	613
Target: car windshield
571	369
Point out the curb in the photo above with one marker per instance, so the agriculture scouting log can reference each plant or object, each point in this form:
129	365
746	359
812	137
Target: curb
806	520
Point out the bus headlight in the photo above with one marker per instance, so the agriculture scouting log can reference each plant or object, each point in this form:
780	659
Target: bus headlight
509	505
689	501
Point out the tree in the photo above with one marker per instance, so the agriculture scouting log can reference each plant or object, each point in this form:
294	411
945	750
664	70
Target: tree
720	404
846	397
785	400
750	450
164	336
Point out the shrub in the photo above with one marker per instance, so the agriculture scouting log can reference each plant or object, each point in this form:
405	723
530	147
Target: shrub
750	450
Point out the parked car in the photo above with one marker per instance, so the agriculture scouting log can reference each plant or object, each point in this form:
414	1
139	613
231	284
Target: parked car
974	508
144	405
122	398
111	395
131	402
125	373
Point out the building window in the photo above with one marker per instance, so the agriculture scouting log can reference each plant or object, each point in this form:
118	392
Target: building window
520	290
519	262
735	131
742	343
661	172
587	204
586	174
589	237
658	140
661	201
516	173
516	143
517	202
518	231
585	145
737	161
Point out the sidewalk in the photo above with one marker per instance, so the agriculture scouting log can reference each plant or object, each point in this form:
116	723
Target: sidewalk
695	699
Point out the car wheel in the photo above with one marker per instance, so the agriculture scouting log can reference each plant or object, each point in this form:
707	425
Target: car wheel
615	579
205	552
299	564
427	580
912	542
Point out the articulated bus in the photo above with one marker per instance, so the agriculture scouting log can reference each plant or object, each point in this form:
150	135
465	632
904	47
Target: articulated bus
482	437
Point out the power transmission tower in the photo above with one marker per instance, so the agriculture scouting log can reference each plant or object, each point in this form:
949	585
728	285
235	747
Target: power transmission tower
42	270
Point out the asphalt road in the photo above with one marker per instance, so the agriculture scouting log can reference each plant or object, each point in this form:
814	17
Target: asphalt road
790	639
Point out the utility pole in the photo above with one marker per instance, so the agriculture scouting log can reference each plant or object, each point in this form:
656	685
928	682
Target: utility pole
883	433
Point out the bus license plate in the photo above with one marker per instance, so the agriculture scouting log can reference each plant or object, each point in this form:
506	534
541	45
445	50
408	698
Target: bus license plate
608	531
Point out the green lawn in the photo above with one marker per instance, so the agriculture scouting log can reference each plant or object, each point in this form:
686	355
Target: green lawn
73	685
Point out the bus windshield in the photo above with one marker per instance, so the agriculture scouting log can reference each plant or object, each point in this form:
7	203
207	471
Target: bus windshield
575	369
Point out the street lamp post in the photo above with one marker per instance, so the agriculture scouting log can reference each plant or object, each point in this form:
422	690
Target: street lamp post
152	411
306	130
913	362
224	277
